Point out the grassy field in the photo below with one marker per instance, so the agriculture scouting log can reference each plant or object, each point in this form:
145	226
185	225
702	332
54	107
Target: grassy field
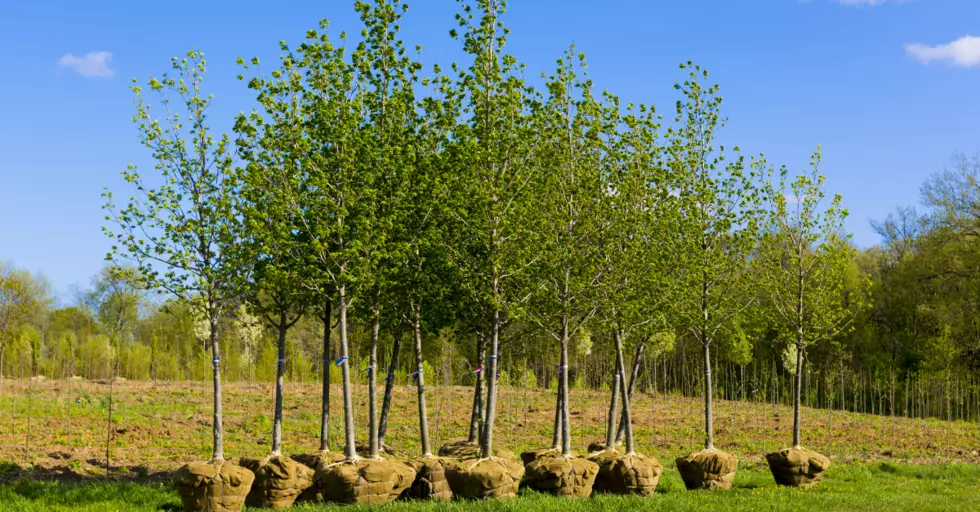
56	459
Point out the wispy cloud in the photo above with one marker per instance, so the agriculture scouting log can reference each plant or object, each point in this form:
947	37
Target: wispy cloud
90	65
963	52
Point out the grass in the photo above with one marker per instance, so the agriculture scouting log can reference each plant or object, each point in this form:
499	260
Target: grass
856	486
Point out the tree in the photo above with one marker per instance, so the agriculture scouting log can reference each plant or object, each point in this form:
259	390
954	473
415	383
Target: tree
493	147
569	186
805	259
182	233
721	205
17	304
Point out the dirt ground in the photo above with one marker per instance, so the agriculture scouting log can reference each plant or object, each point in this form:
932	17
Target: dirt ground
60	429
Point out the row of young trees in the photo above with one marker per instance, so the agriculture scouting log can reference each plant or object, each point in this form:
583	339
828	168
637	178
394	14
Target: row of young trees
464	207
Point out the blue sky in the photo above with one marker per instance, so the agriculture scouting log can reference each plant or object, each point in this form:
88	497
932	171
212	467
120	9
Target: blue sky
888	88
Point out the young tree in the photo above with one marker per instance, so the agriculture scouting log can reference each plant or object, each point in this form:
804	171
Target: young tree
181	232
805	257
722	212
568	183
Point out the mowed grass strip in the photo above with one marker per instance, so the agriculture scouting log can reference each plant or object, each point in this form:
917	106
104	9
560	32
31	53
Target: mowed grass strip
848	487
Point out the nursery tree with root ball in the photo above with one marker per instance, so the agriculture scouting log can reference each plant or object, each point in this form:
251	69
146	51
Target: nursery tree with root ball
182	235
278	295
721	206
569	184
639	248
804	260
493	150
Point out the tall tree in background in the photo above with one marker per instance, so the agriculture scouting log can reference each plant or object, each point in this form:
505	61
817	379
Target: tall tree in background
181	233
722	209
17	304
805	257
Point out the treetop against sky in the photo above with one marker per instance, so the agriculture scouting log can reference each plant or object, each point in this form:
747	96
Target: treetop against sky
886	86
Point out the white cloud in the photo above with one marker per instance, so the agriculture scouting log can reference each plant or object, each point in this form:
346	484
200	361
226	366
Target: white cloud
963	52
91	65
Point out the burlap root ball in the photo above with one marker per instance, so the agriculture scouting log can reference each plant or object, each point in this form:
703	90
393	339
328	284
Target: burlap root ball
602	454
363	480
533	455
385	451
312	461
430	478
708	469
629	474
485	478
278	481
797	467
217	486
463	449
562	476
601	446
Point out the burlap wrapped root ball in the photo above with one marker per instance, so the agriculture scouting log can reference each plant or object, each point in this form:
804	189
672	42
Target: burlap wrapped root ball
533	455
312	461
430	478
485	478
797	467
628	474
278	481
363	480
217	486
464	449
562	476
601	447
708	469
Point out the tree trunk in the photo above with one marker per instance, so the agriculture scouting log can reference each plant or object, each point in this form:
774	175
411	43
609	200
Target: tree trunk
611	419
3	346
709	428
420	381
626	399
280	371
218	427
476	418
796	395
350	451
372	383
325	392
389	387
637	359
556	434
487	445
566	440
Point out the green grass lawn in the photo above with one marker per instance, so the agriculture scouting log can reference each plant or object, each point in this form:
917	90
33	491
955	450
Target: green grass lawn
875	486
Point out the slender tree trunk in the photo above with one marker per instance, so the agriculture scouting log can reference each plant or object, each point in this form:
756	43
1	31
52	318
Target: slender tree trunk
566	439
373	384
280	371
556	435
626	396
796	396
218	427
420	381
634	374
389	387
709	428
350	451
611	419
325	392
476	419
487	448
3	346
